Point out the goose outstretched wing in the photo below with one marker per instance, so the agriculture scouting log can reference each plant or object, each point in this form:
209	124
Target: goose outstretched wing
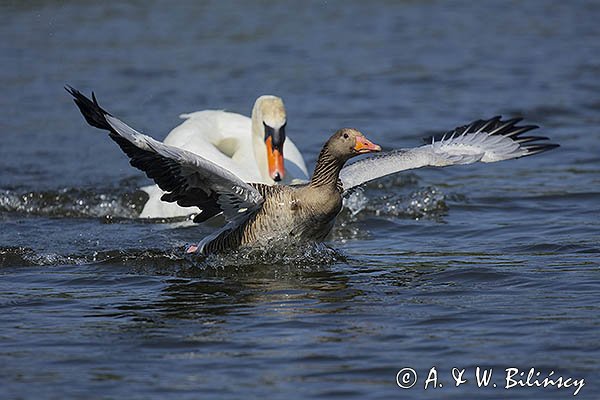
481	141
188	179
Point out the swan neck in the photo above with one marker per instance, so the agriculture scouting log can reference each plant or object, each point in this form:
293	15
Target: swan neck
258	144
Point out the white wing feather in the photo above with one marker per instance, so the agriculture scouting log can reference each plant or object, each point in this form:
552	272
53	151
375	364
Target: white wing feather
485	141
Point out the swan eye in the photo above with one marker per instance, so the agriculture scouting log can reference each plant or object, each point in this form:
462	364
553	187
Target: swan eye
268	131
277	135
345	136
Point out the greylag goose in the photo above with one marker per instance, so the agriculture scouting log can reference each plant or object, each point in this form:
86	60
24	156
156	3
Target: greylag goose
251	148
260	215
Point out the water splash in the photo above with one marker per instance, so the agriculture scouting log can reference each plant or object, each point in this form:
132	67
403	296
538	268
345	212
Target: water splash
283	254
173	261
356	201
24	257
74	203
427	202
396	196
384	197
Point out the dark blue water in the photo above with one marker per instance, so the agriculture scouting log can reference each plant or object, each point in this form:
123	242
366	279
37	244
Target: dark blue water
494	265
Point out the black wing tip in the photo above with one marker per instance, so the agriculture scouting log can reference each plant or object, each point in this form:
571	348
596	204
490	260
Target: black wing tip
532	144
80	98
528	139
90	109
542	146
508	128
495	126
202	217
512	121
538	148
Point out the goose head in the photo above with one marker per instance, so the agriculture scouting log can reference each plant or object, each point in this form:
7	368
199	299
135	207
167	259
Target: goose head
268	135
347	143
342	146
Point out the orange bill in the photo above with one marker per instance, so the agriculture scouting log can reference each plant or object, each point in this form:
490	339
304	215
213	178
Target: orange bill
364	145
274	161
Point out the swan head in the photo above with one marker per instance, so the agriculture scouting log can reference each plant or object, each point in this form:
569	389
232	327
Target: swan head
268	125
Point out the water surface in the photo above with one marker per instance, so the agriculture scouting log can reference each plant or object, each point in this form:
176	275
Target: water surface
486	265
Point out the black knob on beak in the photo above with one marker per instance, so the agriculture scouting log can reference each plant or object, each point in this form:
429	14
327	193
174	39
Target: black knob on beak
277	177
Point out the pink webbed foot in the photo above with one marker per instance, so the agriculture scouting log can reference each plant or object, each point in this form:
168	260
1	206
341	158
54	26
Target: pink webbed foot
192	249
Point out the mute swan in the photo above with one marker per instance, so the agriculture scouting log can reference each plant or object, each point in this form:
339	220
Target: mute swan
259	214
251	148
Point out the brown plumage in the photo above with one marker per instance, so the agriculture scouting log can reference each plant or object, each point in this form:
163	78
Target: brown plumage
260	215
300	213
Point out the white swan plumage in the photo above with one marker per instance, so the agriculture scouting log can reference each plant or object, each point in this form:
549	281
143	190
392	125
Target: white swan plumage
251	148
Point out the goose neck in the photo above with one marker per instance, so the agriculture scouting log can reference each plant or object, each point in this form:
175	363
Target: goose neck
327	170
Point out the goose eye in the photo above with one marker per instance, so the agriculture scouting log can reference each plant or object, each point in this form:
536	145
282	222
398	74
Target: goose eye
345	136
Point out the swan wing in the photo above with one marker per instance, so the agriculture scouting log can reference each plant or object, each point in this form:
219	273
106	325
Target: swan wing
187	178
483	140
